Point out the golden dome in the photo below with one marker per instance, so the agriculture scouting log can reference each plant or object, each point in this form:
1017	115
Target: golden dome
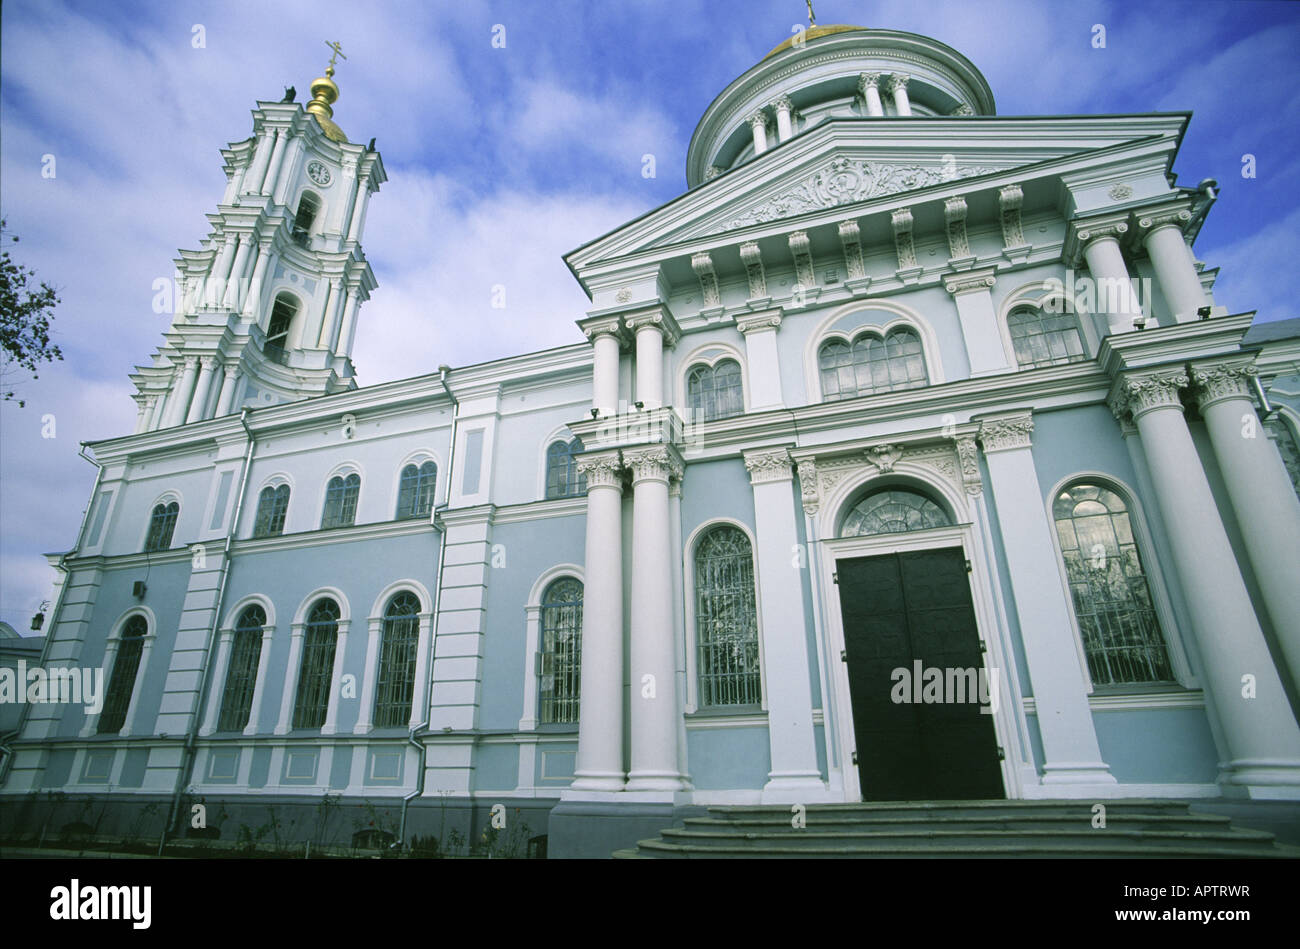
812	33
323	93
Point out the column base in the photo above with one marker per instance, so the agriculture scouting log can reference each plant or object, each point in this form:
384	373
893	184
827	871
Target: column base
1078	772
1261	780
796	788
598	781
578	829
657	781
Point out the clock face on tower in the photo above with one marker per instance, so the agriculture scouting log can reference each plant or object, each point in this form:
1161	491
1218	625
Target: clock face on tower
318	173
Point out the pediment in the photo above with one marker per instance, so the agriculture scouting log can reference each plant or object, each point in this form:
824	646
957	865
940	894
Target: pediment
842	163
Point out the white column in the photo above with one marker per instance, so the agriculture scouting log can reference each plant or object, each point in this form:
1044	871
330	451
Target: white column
182	389
237	271
285	724
290	164
146	419
898	86
219	668
763	358
1070	750
1114	294
342	329
758	125
1258	726
230	377
257	173
784	110
605	362
599	765
277	157
359	205
650	329
330	317
259	687
215	286
869	86
972	293
348	331
654	707
1179	282
794	777
332	710
254	298
1266	506
369	673
200	398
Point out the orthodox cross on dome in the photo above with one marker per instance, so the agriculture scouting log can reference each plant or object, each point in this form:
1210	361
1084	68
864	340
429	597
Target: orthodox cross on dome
812	17
338	51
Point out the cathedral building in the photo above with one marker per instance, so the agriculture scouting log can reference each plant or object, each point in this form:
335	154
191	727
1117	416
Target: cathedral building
905	456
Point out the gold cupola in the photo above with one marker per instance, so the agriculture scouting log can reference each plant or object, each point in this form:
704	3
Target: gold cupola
324	92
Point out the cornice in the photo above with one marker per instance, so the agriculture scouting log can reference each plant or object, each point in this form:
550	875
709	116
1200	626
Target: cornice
1176	343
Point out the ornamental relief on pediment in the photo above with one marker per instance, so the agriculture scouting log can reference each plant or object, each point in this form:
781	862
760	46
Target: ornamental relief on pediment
819	477
846	181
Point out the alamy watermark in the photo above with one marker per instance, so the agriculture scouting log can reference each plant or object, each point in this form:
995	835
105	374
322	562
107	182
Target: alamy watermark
933	685
51	685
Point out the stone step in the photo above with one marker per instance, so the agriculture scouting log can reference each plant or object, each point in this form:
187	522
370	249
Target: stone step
657	849
845	823
955	808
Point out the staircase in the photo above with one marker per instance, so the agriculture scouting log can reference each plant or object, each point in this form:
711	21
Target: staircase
1134	828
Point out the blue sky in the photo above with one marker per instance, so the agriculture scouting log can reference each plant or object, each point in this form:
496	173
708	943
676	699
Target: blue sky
501	160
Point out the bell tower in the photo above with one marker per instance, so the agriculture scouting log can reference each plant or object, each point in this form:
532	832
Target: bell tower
266	311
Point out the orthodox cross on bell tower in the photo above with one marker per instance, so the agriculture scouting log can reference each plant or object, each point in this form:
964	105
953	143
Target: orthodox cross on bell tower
812	17
338	51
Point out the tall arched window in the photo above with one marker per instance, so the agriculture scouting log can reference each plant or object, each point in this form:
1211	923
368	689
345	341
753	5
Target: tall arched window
716	391
277	331
415	490
308	207
562	477
162	522
341	501
397	647
561	664
871	364
1044	339
726	619
117	700
317	668
893	511
241	676
1112	601
272	505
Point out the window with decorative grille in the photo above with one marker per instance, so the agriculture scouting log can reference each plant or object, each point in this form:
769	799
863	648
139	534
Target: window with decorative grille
272	505
341	501
562	477
560	669
1044	339
415	490
893	511
162	522
726	619
241	674
397	649
126	666
317	668
1121	634
872	364
716	391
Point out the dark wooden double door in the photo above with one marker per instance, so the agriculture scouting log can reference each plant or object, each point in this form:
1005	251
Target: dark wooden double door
898	609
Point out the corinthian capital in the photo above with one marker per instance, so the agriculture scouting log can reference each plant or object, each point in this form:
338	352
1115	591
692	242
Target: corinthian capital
897	81
1006	432
868	80
758	120
654	463
768	465
1141	393
1216	382
601	471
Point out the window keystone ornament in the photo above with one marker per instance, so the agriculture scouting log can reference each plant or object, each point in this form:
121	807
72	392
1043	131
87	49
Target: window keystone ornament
884	457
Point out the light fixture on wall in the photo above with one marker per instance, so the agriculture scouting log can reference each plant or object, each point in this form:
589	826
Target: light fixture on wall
1203	312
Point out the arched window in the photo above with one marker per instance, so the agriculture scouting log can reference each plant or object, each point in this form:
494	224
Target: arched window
272	504
561	664
1044	339
872	364
161	525
341	501
308	207
241	676
415	490
716	391
277	331
562	477
317	668
1287	448
117	700
726	619
397	647
893	511
1112	601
